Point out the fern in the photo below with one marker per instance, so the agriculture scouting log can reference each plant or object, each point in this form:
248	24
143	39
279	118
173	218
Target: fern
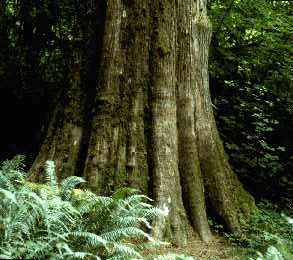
276	234
120	252
115	219
123	193
51	178
68	184
32	223
271	254
16	173
47	221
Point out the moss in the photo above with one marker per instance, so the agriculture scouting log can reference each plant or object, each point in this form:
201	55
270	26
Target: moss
77	194
163	43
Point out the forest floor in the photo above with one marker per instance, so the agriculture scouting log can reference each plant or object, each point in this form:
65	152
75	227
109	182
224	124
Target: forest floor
217	249
214	250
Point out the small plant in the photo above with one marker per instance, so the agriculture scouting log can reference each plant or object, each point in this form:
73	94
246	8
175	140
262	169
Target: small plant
270	232
271	254
173	257
117	218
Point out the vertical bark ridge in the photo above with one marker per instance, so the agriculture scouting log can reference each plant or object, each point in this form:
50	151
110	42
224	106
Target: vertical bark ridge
224	191
190	172
118	126
101	161
162	101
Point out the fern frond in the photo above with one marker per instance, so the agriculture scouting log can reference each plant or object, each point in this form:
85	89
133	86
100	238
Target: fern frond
8	195
149	213
20	228
6	254
39	249
68	184
127	221
12	172
45	244
131	201
81	255
5	182
273	254
119	234
134	206
123	192
51	177
22	215
93	239
17	164
32	201
120	252
86	203
288	219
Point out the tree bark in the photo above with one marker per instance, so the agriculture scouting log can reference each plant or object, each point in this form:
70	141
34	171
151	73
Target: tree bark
189	164
117	152
64	133
225	193
152	126
164	134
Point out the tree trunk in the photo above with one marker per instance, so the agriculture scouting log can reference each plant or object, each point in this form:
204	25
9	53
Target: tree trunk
69	128
224	191
163	111
64	133
189	164
153	127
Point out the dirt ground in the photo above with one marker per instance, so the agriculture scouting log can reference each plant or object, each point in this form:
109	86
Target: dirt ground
214	250
217	249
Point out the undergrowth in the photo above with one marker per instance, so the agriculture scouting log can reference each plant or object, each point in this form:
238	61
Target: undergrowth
268	236
54	221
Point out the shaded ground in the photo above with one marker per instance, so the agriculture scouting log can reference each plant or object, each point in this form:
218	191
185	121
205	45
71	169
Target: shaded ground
219	248
199	250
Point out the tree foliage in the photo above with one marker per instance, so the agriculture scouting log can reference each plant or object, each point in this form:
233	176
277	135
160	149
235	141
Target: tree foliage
250	72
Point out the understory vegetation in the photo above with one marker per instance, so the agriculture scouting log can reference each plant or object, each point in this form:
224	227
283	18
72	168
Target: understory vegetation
54	221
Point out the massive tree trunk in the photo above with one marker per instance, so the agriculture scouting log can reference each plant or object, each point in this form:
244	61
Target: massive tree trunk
153	127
